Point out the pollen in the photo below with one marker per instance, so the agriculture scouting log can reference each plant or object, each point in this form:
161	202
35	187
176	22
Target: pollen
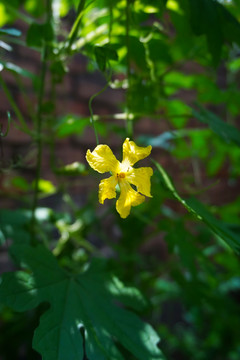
121	175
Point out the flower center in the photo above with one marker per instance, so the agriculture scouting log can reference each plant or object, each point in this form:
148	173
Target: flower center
121	175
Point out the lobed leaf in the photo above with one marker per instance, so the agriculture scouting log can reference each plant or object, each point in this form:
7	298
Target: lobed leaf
83	319
14	224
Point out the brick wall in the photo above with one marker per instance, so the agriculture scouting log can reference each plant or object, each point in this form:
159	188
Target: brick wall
19	152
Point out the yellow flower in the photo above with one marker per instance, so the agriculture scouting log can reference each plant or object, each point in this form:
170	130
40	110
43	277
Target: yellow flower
103	160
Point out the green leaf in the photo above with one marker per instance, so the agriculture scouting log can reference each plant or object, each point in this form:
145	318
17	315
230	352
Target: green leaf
37	33
217	226
226	131
5	17
230	24
129	296
75	168
20	183
5	46
14	224
58	70
200	211
204	20
70	125
84	301
165	140
10	31
159	51
16	69
103	54
162	141
35	8
212	19
45	186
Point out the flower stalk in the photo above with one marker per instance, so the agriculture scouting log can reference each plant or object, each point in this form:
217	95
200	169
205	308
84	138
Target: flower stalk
39	140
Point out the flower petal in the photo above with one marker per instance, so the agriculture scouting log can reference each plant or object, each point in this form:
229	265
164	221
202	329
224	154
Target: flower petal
128	198
141	179
107	189
102	159
133	153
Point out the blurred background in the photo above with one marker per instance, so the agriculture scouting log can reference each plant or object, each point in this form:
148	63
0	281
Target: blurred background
165	75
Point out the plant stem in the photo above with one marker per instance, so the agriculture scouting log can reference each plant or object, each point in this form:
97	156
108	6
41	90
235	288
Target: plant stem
14	106
129	121
110	20
27	101
74	31
39	141
92	120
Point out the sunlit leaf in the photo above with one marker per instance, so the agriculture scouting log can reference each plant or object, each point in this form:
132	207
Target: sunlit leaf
70	125
17	69
75	168
4	15
10	31
46	187
84	301
14	224
5	46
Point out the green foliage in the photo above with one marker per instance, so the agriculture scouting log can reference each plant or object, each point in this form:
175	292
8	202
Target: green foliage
16	69
196	208
176	67
70	125
39	33
84	300
226	131
12	32
103	55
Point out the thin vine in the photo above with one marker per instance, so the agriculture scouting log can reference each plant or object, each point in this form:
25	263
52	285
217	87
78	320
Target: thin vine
39	140
92	120
129	120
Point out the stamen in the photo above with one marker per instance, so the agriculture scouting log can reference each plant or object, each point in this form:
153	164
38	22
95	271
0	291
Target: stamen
121	175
